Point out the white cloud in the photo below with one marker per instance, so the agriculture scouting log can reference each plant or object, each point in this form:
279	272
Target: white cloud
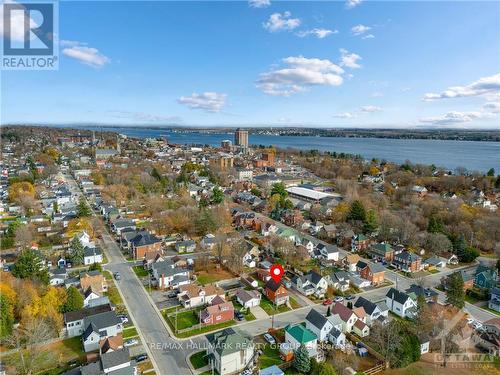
259	3
300	73
377	94
493	107
17	31
144	117
87	55
208	101
455	117
319	33
71	43
360	29
368	36
486	86
345	115
352	3
370	108
279	22
349	59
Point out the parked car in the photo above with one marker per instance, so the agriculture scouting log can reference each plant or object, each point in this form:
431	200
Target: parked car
131	342
123	318
117	276
72	364
350	297
338	299
172	294
327	302
141	357
238	315
270	339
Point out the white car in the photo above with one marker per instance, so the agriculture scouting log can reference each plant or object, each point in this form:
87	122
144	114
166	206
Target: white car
338	299
270	339
131	342
123	318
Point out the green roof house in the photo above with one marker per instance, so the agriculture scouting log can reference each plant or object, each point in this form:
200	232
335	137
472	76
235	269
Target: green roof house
229	351
298	335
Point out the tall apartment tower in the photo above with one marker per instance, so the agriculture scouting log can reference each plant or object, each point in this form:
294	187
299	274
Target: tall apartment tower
241	138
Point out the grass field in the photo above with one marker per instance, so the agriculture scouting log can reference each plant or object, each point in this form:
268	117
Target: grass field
114	296
130	332
212	275
195	331
140	271
269	357
270	308
199	360
185	319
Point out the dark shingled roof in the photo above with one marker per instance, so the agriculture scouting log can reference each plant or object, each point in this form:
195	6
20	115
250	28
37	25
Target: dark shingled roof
316	319
397	295
83	313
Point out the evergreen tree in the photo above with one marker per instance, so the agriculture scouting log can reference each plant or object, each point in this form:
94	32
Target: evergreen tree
435	225
217	196
82	209
6	316
455	294
357	211
370	222
279	188
74	300
205	223
301	360
349	305
77	253
30	266
491	172
328	311
497	182
323	368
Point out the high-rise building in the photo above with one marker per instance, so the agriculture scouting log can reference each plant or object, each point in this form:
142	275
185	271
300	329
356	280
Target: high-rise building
226	144
241	138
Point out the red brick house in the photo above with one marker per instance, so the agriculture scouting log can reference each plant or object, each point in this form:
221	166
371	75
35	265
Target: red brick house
373	272
144	242
219	311
263	275
276	293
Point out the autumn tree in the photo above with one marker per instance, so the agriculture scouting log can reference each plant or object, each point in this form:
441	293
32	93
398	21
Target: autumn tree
6	315
18	190
24	236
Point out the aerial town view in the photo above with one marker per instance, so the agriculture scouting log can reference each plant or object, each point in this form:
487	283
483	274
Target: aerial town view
250	187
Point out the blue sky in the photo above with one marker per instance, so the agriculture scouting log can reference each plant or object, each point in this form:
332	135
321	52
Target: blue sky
347	64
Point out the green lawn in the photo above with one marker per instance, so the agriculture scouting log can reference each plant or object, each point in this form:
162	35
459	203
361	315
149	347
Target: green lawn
185	319
199	360
246	312
129	332
269	357
270	308
434	271
114	296
294	304
140	271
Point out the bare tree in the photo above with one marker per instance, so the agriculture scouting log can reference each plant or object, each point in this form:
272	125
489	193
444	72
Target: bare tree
24	236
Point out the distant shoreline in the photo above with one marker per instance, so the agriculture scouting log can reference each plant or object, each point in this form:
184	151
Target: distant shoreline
430	134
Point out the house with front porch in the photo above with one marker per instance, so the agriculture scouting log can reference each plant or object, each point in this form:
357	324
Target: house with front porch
311	283
276	293
400	303
193	295
298	335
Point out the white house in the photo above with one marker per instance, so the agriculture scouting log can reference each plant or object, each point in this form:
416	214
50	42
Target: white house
400	303
166	275
92	255
231	352
310	283
298	335
372	310
328	252
248	298
318	324
346	315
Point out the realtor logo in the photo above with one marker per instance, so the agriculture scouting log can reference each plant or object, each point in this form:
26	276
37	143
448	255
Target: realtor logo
29	36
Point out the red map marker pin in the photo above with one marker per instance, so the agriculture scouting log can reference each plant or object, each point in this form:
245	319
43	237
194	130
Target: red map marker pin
277	272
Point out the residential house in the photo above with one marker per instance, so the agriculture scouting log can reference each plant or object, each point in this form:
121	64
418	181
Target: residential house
185	246
144	242
419	191
328	252
467	276
328	231
346	315
192	295
450	258
372	310
276	293
248	298
219	311
494	302
360	328
434	262
119	225
359	242
99	326
111	344
166	275
58	276
407	261
381	252
298	335
92	255
230	351
94	280
349	262
429	294
310	283
400	303
89	295
373	272
73	320
153	257
318	324
340	280
485	277
112	362
268	228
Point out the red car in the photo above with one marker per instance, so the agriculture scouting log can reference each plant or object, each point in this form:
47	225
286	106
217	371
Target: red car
327	302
